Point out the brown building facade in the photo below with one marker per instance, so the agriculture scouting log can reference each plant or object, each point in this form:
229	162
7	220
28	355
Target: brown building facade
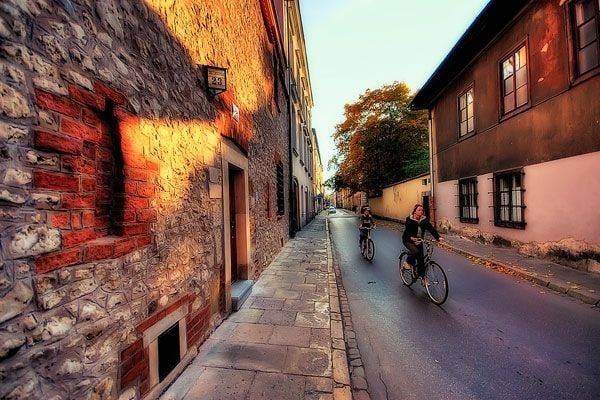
515	123
131	200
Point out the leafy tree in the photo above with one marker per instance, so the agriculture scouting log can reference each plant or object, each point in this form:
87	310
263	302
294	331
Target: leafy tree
381	141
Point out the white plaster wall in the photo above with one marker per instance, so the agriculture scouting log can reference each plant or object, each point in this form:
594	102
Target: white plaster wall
562	199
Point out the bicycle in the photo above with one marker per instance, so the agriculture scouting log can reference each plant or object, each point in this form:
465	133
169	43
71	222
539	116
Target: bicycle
436	282
367	248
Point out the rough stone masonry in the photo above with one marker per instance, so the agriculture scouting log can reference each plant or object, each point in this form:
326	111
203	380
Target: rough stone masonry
111	182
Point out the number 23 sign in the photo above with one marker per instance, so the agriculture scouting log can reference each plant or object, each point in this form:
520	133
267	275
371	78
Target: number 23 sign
217	80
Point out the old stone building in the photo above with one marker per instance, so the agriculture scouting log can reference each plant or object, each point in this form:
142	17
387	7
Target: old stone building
131	200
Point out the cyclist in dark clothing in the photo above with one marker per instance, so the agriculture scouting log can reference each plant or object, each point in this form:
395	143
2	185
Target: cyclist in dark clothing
415	221
366	221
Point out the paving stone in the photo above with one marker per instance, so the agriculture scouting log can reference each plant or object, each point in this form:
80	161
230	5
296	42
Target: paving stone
249	315
291	336
317	384
286	294
253	333
221	384
276	317
267	304
303	361
251	356
271	386
312	320
320	338
184	383
299	305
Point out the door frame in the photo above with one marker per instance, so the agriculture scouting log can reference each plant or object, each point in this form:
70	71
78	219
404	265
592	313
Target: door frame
232	157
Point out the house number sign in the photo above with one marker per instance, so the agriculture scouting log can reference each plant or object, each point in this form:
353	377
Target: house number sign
216	79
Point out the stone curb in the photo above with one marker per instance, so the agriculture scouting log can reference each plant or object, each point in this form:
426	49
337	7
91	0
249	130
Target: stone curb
341	376
348	371
555	284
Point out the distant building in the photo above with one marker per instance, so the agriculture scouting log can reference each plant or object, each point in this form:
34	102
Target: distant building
515	124
300	105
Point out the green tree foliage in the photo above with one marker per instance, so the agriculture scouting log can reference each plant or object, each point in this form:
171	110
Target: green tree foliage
381	140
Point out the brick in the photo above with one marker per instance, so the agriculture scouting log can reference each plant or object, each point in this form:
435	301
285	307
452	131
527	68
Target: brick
125	247
71	238
104	154
59	104
53	142
79	164
74	201
137	174
86	97
99	251
57	260
88	219
76	222
132	229
88	184
92	119
145	189
132	374
108	92
135	202
143	241
130	351
60	220
103	195
146	215
78	130
128	215
131	160
55	181
89	150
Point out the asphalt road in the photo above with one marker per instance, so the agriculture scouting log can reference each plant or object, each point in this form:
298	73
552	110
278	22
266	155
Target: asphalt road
496	337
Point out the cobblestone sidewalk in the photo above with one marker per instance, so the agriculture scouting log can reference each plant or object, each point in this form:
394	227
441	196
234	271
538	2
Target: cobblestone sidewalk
286	342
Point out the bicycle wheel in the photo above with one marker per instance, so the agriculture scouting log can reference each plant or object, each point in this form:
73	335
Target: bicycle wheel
370	250
406	274
437	283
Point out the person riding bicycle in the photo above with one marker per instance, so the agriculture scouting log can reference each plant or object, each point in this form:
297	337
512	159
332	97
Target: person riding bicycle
415	221
366	222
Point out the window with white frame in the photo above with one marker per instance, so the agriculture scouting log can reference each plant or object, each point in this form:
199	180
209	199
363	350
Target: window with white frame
515	92
467	199
466	116
508	199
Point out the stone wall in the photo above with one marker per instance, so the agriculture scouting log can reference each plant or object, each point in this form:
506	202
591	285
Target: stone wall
110	179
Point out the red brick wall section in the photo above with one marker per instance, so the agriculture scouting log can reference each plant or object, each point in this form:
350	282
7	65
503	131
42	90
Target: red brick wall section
197	326
96	221
135	366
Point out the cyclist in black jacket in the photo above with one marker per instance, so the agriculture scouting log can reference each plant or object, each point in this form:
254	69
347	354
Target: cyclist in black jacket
415	221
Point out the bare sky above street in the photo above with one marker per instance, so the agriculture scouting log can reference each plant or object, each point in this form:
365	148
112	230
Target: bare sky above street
355	45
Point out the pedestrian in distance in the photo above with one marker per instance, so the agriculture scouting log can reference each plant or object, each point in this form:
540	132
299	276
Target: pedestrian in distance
416	222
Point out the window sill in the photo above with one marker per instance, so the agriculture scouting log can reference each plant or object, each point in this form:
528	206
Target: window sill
469	220
515	112
576	80
511	225
467	136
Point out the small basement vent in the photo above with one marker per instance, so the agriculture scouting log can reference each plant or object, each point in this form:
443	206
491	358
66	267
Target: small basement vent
168	351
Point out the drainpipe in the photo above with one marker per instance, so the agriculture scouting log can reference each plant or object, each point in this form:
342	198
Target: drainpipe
430	137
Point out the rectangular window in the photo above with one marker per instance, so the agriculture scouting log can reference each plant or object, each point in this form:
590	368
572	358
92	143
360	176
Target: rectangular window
280	190
514	80
508	199
467	198
466	116
585	19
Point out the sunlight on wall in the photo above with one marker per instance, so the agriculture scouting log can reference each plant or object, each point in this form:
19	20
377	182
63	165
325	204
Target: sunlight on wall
182	152
209	33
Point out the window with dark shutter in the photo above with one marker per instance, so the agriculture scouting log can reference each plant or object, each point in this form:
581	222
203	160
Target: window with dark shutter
280	190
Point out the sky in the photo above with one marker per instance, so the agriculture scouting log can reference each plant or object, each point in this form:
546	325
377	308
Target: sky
355	45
